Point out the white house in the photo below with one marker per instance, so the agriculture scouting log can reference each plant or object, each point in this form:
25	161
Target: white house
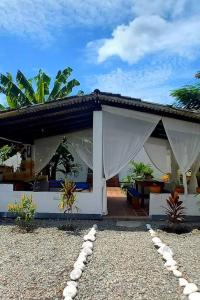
106	132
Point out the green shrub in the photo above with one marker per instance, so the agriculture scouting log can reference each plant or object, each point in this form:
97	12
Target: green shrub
24	211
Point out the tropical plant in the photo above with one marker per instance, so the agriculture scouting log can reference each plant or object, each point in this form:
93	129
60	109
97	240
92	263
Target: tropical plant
175	209
139	169
67	202
188	97
25	91
63	162
24	211
5	153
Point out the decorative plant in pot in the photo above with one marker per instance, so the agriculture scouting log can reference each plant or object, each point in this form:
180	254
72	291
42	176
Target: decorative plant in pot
67	204
156	189
179	188
139	170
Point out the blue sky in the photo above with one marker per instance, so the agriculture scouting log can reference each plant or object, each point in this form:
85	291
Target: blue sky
138	48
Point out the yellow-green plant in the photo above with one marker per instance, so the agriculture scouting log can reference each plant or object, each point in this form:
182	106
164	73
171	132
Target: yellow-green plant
68	199
24	211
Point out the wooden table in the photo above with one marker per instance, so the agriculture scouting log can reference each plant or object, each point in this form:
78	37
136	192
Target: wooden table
147	183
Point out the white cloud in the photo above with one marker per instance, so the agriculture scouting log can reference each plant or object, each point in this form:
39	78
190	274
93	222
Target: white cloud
157	26
42	19
153	83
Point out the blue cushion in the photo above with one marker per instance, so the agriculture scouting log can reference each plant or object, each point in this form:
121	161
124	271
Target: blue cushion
82	185
133	192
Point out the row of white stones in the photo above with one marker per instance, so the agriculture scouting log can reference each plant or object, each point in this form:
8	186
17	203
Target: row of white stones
70	291
189	289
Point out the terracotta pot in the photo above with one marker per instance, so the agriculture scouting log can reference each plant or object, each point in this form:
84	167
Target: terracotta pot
155	189
198	190
179	189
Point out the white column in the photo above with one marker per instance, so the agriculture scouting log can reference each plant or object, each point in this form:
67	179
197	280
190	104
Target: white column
98	181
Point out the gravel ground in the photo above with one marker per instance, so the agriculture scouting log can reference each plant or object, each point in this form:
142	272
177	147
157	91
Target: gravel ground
125	265
186	248
37	265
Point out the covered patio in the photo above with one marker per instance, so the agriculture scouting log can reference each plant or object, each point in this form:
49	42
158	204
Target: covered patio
107	131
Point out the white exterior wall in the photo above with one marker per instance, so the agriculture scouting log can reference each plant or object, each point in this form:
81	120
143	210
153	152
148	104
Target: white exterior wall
87	202
47	202
157	204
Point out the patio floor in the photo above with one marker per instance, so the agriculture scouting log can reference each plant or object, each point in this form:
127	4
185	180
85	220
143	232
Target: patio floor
119	207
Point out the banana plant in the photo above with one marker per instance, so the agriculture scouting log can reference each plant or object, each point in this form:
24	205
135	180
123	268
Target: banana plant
35	90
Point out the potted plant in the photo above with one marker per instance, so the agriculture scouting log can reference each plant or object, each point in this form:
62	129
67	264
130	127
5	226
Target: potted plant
156	189
139	170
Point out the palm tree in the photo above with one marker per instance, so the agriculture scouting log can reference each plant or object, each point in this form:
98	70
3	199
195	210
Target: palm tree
36	90
188	97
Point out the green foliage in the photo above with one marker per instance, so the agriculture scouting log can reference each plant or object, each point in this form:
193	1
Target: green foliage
5	153
139	169
63	161
175	209
188	97
36	90
67	201
25	212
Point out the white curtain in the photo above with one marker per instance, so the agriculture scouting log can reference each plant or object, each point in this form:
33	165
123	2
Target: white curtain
45	148
193	180
13	161
184	138
124	135
82	143
158	151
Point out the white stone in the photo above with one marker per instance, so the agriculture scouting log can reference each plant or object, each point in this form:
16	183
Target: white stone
89	237
167	256
79	265
148	226
95	226
88	244
182	282
87	251
177	273
165	249
68	298
75	274
170	262
172	268
156	240
190	288
153	233
194	296
92	231
72	282
82	257
70	291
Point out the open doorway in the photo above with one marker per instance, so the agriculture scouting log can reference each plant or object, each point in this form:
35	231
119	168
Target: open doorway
119	203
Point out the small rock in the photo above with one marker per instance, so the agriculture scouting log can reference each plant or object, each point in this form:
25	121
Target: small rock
79	265
177	273
68	298
182	282
167	256
88	244
70	291
87	251
165	249
75	274
190	288
156	240
170	262
172	268
194	296
95	226
72	282
148	226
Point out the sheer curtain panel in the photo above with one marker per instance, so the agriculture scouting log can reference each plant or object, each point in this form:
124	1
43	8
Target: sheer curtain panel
124	135
184	138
